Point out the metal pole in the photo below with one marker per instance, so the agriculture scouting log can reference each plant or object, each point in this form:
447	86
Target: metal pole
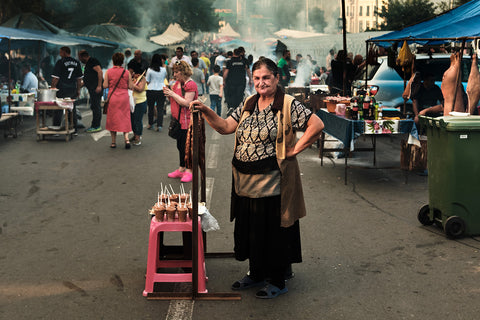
306	15
9	74
344	21
366	65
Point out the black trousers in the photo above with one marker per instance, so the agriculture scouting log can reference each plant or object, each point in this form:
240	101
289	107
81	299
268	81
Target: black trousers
181	142
155	97
95	99
234	94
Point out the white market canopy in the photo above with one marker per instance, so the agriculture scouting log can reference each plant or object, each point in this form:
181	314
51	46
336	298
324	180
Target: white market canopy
174	34
227	31
297	34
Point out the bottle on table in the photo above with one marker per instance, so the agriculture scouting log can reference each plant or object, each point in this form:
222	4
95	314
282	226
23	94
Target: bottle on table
366	105
375	108
354	109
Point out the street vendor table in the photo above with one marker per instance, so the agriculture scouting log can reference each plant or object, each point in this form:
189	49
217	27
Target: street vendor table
22	103
42	107
347	131
10	121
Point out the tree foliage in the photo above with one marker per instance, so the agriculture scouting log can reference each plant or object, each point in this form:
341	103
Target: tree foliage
445	5
317	19
286	15
400	14
192	15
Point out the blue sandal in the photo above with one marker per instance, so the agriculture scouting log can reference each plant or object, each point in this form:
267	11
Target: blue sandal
245	283
270	291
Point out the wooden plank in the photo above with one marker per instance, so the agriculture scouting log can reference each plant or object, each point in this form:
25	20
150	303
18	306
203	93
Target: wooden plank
218	296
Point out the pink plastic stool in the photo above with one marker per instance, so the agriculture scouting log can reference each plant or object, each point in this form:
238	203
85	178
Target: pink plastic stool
154	262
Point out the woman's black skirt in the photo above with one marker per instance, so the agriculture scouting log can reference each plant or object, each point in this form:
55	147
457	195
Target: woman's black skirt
258	234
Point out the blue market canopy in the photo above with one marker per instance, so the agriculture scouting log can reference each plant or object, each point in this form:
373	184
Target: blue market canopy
461	23
31	21
118	34
23	37
235	43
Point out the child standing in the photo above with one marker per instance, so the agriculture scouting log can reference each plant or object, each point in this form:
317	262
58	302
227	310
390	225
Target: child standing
215	84
198	76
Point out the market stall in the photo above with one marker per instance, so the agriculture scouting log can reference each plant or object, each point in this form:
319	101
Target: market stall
349	130
65	105
458	26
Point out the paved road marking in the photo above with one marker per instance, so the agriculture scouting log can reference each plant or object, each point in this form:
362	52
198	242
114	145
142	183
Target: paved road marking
212	156
180	309
209	186
98	135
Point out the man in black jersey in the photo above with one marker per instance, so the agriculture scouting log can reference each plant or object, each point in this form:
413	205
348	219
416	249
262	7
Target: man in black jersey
67	78
93	80
234	80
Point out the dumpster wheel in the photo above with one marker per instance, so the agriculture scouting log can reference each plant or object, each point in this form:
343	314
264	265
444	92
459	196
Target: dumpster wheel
423	216
454	227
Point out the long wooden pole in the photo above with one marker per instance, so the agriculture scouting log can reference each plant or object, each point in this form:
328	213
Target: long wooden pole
195	154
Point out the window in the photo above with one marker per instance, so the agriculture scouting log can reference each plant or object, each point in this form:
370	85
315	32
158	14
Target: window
360	11
360	26
368	11
367	24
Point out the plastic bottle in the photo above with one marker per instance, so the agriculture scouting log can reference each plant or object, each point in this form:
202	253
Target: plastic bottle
366	106
380	115
354	114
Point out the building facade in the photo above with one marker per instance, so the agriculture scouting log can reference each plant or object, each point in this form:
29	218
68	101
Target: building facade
362	15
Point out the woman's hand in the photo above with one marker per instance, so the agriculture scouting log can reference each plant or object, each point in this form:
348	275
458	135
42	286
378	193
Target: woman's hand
197	105
168	92
290	153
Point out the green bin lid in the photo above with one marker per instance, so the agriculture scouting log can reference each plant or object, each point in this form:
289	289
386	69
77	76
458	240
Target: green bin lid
453	123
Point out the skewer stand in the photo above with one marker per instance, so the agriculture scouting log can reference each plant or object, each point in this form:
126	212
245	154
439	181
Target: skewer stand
195	295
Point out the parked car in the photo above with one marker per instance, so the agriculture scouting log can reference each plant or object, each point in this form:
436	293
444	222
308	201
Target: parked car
391	80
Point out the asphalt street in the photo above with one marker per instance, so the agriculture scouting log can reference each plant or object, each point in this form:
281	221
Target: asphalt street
74	236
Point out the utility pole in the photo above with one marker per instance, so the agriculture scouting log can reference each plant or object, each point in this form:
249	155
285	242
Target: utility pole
306	15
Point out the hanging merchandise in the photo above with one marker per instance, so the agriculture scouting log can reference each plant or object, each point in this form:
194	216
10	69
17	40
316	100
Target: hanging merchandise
405	58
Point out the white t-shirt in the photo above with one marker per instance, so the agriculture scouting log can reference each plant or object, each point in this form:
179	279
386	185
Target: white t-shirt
198	76
214	83
184	58
156	79
219	61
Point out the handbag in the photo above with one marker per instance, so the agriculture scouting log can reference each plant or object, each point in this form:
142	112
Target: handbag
131	100
105	104
174	128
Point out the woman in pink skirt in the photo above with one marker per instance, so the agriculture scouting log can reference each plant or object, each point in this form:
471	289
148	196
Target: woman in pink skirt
118	112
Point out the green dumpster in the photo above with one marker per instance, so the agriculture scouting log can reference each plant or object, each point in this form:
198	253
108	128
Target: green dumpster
453	145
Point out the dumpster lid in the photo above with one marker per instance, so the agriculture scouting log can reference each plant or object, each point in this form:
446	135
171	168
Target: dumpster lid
454	123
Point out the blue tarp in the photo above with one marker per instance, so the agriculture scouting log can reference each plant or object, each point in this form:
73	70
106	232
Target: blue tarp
24	36
457	24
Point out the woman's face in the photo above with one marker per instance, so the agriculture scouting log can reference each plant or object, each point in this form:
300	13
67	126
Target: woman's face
264	81
178	75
